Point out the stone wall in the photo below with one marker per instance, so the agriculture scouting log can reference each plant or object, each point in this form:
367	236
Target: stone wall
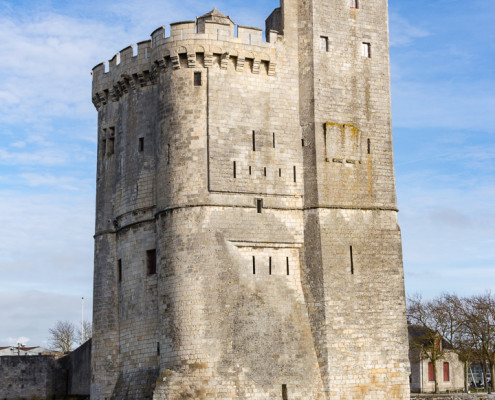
25	377
45	376
78	365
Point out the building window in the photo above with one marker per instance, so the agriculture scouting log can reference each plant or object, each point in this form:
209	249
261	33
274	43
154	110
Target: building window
354	3
151	261
366	50
259	205
323	43
104	147
119	269
197	79
352	261
110	146
446	372
141	144
431	375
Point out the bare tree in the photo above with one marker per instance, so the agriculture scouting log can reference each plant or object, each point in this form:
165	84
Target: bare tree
426	338
86	333
63	336
480	325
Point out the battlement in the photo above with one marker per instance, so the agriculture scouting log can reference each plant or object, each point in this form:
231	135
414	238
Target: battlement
212	38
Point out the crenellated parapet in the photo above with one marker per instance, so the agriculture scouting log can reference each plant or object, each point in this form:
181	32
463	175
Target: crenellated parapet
209	40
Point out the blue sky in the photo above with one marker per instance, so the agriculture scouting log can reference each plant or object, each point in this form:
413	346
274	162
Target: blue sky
443	91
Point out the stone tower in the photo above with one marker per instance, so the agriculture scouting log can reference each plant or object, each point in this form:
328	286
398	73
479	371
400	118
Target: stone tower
247	244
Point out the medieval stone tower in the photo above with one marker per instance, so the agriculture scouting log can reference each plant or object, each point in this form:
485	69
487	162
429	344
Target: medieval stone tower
246	243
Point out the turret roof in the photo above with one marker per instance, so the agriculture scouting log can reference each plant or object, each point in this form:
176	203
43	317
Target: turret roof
214	13
216	16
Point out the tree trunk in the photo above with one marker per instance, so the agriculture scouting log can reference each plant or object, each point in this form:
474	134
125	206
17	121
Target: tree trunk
435	375
492	374
485	380
466	376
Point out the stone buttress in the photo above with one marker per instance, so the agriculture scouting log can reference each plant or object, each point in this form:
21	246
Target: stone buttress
246	243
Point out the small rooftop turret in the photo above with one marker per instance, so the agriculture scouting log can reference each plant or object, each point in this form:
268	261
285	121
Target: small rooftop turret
215	21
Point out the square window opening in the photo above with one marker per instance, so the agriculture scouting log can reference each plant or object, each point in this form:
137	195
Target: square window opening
259	205
197	79
366	50
151	261
324	43
110	146
119	269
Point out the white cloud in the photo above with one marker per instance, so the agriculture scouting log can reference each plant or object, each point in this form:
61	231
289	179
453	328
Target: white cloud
47	157
14	341
28	315
60	182
46	241
18	145
402	32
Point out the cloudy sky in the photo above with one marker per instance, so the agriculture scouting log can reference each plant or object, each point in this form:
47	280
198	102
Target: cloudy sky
443	57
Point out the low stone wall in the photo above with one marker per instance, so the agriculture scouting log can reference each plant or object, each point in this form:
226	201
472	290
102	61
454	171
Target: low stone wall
46	376
458	396
31	377
78	364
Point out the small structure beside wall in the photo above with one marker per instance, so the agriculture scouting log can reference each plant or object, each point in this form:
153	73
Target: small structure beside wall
450	369
46	375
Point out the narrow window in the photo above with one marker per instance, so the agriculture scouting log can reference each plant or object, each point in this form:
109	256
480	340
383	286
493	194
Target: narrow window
250	170
352	261
366	50
254	141
151	261
254	265
287	265
104	147
168	153
264	171
269	265
354	3
197	79
235	170
280	172
284	392
110	146
295	174
325	136
259	205
369	146
431	375
157	348
323	43
141	144
446	372
302	142
119	269
273	141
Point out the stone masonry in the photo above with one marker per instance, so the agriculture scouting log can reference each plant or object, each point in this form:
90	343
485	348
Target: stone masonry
247	244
